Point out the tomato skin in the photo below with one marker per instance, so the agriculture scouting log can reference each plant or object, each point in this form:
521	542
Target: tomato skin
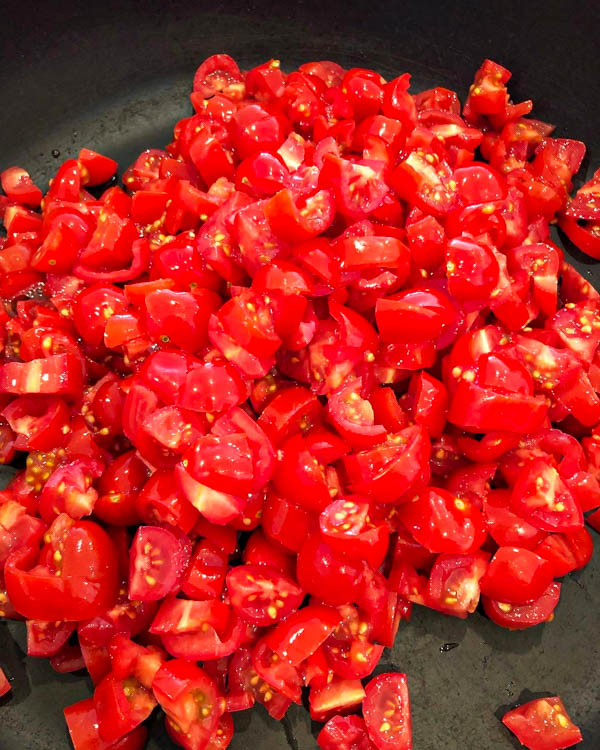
298	479
255	593
285	522
118	488
71	596
454	582
158	560
324	574
443	522
543	724
390	688
82	722
301	633
516	576
387	471
121	706
344	733
542	497
478	409
175	685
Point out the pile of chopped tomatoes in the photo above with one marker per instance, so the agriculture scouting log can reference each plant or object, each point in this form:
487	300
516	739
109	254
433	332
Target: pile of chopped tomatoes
317	361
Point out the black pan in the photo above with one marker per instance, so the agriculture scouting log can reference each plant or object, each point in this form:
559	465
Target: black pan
115	78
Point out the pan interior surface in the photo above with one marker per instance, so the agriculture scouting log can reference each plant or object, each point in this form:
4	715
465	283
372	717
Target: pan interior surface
116	78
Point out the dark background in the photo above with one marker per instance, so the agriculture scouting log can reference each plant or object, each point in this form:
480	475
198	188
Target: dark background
115	76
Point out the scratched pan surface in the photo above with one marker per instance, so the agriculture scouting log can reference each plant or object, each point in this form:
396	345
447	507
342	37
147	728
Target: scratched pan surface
115	79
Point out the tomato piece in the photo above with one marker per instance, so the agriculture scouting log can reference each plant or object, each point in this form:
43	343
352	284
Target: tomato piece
339	696
190	699
353	416
344	733
277	673
83	725
205	577
124	617
426	181
17	529
298	479
293	410
218	74
386	709
159	502
479	409
82	579
47	638
349	650
442	522
58	374
118	489
216	506
542	497
454	583
325	574
260	550
543	724
69	490
387	471
516	576
346	526
95	168
566	552
294	223
416	315
507	528
302	632
158	560
19	187
121	706
94	307
262	594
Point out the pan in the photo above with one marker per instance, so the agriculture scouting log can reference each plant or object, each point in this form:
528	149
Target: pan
114	76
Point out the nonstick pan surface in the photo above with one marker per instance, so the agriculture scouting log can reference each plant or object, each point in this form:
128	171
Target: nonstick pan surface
114	76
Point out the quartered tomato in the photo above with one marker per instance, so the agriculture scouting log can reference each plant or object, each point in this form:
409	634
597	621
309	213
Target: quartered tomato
387	712
261	594
543	724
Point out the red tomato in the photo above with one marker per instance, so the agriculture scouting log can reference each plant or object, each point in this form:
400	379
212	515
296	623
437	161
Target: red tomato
541	496
262	594
158	560
190	699
346	526
386	709
325	574
337	697
349	650
82	722
543	724
442	522
301	633
344	733
516	576
121	706
78	581
454	582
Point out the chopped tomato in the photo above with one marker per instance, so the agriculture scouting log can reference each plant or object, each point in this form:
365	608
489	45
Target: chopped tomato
543	724
387	712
